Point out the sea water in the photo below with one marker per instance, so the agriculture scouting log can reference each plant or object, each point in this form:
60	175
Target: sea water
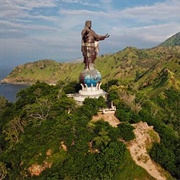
9	91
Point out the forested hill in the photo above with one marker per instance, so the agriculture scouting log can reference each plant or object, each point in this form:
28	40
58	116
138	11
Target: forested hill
172	41
46	135
128	65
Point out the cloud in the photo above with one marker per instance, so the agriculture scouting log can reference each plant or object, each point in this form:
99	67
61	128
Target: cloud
16	30
51	28
19	8
143	37
158	11
82	2
83	12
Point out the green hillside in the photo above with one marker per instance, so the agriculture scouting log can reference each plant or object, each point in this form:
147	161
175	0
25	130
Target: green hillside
45	135
48	71
172	41
46	131
128	65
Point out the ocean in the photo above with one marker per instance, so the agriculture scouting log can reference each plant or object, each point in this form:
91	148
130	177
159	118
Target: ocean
9	91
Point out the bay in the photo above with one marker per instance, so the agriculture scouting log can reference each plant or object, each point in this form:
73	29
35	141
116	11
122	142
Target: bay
9	91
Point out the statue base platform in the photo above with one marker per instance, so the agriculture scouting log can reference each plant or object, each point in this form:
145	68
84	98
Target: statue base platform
88	92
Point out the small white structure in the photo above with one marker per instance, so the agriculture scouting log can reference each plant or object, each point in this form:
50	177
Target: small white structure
112	109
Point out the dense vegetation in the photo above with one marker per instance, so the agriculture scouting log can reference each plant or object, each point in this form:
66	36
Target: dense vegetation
45	129
162	112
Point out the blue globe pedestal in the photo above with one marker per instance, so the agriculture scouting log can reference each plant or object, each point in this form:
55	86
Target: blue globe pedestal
90	80
90	77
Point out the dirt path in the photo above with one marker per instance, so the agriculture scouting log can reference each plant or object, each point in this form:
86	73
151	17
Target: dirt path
137	147
139	153
109	117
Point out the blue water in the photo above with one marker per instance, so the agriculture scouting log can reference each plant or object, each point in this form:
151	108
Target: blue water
9	91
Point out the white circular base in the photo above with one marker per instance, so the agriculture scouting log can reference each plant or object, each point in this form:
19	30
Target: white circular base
79	98
90	91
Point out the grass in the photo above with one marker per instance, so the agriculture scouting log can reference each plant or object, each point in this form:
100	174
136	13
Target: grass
131	171
122	65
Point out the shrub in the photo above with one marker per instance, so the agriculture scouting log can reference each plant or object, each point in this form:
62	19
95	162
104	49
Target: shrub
126	131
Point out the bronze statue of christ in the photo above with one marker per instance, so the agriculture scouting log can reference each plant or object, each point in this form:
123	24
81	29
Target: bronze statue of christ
89	46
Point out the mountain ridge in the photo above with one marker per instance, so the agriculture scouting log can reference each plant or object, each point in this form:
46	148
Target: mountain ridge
51	71
174	40
116	64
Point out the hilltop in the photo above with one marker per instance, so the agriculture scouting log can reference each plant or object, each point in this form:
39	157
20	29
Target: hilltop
46	70
172	41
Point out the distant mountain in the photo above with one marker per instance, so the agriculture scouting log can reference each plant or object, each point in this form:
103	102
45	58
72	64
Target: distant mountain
48	71
140	68
172	41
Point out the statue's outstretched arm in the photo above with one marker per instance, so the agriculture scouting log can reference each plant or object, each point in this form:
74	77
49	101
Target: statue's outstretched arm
99	37
107	35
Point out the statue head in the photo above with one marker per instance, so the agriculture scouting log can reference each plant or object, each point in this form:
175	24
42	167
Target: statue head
88	24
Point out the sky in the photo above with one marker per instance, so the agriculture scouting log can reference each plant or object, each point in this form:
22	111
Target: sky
32	30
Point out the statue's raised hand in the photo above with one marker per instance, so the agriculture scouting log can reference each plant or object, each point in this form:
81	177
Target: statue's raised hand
107	35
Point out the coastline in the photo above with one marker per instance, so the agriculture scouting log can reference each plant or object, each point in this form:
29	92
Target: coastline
6	81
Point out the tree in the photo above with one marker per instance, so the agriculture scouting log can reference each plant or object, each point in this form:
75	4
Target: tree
102	102
32	93
102	139
90	106
3	171
110	159
110	83
72	87
13	129
126	131
3	103
164	156
39	110
113	96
